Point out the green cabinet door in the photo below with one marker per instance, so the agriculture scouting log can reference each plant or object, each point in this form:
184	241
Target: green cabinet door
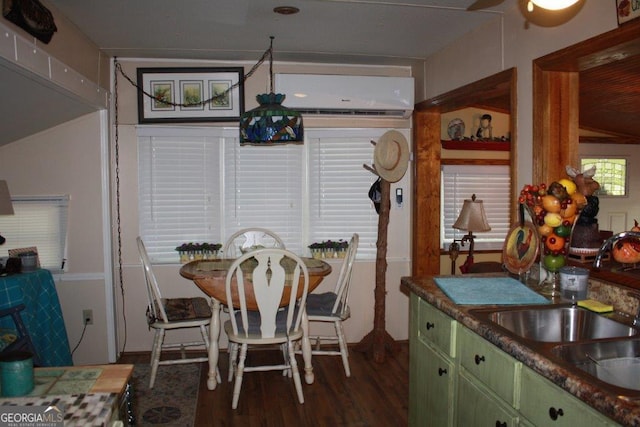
432	377
478	406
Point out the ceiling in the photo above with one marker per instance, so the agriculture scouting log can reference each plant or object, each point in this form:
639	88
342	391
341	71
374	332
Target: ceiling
610	99
331	31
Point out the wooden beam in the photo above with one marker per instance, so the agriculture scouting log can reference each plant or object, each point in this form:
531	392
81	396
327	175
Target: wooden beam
426	196
556	112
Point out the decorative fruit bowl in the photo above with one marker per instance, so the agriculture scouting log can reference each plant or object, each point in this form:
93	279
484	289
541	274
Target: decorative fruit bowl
554	209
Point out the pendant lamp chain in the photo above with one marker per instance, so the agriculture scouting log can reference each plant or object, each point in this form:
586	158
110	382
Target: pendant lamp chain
271	123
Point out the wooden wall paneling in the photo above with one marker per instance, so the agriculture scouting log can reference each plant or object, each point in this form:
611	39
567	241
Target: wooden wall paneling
556	129
426	193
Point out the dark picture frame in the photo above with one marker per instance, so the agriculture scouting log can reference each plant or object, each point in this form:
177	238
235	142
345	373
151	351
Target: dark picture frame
187	95
626	10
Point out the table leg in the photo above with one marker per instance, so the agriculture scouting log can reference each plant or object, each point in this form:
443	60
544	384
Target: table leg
214	346
306	349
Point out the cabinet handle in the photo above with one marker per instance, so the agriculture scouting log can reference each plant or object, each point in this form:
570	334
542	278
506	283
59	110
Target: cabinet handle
555	413
501	424
430	325
479	359
441	371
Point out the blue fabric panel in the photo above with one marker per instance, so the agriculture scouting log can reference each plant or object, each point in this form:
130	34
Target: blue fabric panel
42	315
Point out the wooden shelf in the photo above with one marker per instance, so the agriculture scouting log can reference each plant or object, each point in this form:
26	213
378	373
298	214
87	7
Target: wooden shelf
477	145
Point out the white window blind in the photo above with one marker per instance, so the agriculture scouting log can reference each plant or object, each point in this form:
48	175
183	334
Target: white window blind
200	185
489	183
179	192
339	203
264	188
40	222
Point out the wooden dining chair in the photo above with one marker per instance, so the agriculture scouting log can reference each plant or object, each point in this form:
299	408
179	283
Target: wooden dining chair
333	307
274	277
172	314
250	238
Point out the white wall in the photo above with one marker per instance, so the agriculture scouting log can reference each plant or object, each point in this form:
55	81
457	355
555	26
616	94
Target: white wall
66	159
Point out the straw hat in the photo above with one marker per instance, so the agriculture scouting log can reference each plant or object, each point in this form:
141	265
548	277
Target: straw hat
391	156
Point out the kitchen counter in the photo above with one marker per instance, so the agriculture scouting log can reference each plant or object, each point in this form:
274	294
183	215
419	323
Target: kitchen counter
623	410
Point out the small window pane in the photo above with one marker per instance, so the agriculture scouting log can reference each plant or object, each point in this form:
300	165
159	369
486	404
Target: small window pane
489	183
611	174
39	222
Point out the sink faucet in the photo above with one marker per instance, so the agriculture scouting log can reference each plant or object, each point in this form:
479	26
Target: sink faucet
608	245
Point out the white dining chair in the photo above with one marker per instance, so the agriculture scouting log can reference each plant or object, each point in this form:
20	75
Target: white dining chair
171	314
271	275
333	307
249	239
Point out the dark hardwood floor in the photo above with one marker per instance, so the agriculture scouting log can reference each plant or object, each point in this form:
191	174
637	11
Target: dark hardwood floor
376	394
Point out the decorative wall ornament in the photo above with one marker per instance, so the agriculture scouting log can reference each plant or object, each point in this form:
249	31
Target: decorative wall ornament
31	16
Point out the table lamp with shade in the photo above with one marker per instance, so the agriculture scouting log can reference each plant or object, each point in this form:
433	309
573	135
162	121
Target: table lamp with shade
472	218
6	207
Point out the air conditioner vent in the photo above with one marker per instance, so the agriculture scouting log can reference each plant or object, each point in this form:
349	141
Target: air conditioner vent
336	95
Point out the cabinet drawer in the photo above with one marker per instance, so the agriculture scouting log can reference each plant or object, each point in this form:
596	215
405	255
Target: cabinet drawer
436	328
496	369
477	407
543	403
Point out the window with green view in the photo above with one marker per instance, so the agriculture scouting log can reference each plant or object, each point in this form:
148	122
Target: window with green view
611	174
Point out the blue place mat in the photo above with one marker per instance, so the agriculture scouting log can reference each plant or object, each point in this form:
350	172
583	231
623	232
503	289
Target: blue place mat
488	291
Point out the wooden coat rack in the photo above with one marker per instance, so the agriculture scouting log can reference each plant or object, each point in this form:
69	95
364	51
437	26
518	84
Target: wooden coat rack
377	342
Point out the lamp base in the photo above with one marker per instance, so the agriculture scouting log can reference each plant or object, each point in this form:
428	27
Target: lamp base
466	267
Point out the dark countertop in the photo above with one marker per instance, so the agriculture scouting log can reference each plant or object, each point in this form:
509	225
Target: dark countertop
621	409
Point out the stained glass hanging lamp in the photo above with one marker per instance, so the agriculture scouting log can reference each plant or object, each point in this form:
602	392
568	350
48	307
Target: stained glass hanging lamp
271	122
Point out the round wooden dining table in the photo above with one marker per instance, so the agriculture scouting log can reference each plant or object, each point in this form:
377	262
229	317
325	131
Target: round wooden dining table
210	276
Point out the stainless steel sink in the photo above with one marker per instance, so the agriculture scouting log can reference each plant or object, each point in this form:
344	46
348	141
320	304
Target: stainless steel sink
559	324
613	362
574	337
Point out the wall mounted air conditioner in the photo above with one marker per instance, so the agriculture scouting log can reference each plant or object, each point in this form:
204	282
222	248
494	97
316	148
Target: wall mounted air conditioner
347	95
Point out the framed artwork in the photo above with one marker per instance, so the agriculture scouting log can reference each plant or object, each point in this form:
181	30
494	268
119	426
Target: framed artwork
626	10
189	95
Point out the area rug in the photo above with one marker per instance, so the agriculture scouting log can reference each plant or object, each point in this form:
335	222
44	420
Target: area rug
172	400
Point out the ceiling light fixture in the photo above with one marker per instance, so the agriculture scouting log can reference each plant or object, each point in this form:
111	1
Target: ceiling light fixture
271	122
550	4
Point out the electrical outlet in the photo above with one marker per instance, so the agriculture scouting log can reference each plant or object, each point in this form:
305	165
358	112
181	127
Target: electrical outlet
87	317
